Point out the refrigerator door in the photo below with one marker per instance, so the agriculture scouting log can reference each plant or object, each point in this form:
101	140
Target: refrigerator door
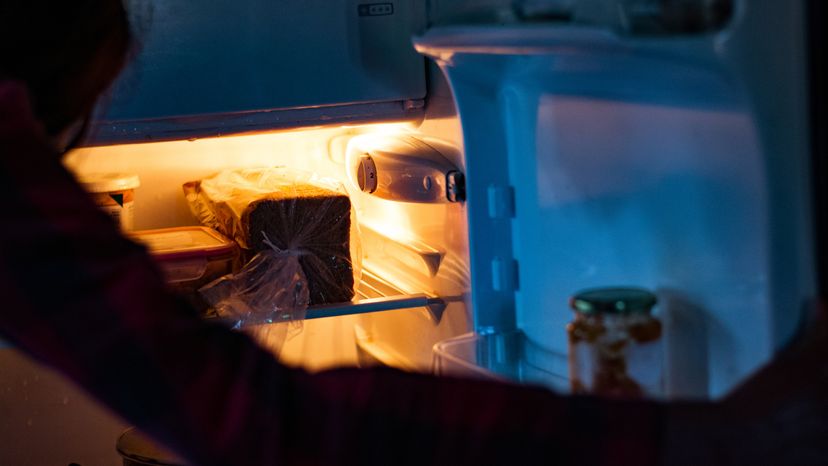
223	66
678	164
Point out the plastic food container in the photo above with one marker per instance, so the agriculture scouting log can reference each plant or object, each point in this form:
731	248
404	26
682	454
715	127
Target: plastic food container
114	193
190	257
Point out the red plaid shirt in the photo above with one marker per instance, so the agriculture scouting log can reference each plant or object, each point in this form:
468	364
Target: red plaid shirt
83	299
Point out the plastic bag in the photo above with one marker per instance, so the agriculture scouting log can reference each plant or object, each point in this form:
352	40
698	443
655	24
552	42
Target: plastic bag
270	289
298	231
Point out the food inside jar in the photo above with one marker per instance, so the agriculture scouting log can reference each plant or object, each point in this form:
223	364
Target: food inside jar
611	377
605	342
588	329
645	331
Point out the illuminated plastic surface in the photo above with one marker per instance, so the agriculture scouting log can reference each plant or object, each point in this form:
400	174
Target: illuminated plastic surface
675	164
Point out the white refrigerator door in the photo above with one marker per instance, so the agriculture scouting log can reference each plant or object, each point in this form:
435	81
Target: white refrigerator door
678	164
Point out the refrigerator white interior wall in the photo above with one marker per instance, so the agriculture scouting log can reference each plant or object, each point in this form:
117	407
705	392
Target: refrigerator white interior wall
164	167
410	336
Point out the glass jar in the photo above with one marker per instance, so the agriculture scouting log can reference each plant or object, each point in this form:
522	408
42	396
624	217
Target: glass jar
615	343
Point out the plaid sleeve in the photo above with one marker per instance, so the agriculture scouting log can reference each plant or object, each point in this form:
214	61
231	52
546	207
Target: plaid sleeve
81	298
385	416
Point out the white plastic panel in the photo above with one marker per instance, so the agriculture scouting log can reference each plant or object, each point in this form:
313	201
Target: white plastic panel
677	164
668	198
220	56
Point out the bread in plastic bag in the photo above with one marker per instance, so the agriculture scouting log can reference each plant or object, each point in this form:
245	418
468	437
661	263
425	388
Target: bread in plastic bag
270	289
308	217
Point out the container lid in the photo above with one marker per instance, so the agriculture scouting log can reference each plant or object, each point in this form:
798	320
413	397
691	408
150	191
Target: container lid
168	244
613	301
108	182
136	447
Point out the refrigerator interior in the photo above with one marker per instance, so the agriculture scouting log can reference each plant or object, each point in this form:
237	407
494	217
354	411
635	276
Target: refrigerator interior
397	239
414	249
681	164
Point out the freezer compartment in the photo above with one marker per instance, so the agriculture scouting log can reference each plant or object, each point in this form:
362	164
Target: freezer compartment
506	356
225	67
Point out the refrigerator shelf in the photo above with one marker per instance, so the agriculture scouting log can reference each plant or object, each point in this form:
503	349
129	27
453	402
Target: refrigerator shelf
374	294
364	306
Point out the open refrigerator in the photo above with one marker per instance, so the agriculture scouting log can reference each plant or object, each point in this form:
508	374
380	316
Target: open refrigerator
591	153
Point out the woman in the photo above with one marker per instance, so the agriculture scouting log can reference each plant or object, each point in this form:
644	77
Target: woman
90	303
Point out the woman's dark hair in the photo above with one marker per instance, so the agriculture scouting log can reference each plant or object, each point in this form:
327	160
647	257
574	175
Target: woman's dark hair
67	52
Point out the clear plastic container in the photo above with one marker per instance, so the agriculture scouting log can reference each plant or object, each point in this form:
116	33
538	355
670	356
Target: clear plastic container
190	257
615	343
501	356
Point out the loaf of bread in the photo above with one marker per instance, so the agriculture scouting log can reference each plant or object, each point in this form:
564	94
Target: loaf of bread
314	223
305	220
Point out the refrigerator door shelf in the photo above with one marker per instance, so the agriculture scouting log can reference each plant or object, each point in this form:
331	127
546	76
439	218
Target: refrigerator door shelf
507	356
